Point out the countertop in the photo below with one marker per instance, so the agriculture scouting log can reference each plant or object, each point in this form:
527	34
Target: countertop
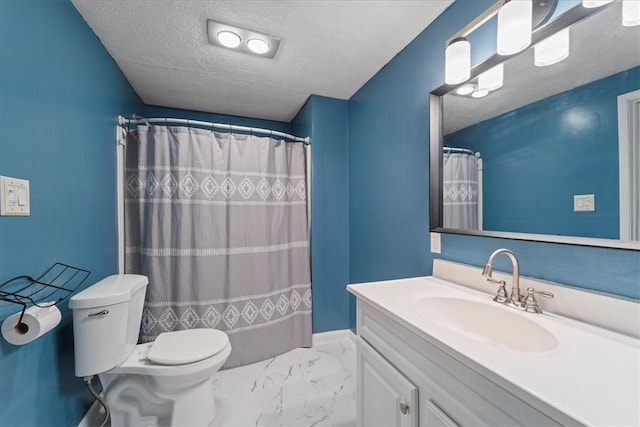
593	376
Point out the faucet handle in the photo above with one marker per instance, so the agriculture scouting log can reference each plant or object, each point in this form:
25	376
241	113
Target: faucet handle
530	302
499	282
502	295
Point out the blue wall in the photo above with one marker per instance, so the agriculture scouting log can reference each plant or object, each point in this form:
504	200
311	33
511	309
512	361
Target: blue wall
61	93
535	159
388	179
326	121
176	113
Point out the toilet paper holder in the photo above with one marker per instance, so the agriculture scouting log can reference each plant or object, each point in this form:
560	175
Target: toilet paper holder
57	283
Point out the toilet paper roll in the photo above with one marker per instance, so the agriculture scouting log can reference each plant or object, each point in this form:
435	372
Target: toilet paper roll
36	322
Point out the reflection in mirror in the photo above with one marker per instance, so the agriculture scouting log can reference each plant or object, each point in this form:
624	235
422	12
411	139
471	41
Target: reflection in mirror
556	149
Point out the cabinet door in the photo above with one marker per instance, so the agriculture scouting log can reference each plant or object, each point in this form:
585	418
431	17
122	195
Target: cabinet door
432	415
385	397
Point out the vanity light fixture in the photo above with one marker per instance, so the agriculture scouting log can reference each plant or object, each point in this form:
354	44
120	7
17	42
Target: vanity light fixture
492	79
241	39
516	20
457	61
480	93
465	89
553	49
595	3
515	26
630	13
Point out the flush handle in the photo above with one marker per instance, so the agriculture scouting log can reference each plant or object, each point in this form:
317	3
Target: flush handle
99	314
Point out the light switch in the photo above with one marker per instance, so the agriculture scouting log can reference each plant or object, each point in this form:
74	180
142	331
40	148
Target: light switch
14	196
11	195
22	196
584	203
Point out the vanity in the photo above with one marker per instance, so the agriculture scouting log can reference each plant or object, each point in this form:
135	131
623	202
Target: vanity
438	351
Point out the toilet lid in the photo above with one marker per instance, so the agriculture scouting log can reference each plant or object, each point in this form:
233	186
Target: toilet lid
180	347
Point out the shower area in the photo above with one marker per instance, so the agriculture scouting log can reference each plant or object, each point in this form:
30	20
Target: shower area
217	216
462	188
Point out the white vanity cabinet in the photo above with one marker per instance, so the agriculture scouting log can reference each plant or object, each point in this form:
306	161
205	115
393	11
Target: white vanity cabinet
466	360
399	371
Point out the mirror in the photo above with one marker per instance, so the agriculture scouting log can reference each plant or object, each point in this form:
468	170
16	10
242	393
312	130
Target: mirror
553	154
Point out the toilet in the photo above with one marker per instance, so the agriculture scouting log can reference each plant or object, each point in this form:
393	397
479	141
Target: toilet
166	382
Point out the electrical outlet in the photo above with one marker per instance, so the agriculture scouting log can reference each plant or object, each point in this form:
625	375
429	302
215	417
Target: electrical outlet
436	243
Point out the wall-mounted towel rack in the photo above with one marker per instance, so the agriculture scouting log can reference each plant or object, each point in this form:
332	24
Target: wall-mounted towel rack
52	287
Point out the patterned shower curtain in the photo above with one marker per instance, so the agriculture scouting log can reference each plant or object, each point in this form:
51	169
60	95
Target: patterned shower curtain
460	191
218	222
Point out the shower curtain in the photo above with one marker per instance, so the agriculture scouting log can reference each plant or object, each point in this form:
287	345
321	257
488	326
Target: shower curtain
460	191
218	222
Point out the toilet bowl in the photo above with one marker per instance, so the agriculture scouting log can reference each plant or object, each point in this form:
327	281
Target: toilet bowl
166	382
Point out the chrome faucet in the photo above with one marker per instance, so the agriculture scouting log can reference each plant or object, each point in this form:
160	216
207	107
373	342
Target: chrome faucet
515	298
527	303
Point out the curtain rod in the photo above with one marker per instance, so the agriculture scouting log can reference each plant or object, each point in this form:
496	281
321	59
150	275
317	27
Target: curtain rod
140	120
460	150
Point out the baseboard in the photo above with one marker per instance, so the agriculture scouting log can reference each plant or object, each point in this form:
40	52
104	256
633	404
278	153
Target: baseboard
331	336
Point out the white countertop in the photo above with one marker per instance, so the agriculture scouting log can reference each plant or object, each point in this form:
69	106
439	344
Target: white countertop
593	376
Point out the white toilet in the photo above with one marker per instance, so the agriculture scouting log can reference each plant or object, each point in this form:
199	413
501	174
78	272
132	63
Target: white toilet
163	383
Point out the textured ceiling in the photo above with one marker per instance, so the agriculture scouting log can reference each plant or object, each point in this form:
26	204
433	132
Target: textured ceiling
600	46
328	48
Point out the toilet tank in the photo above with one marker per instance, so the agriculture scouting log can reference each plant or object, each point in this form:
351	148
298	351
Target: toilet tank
106	322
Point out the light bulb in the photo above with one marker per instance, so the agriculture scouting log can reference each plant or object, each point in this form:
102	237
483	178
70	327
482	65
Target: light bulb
457	61
552	49
465	89
228	39
630	13
480	93
514	26
258	46
595	3
492	79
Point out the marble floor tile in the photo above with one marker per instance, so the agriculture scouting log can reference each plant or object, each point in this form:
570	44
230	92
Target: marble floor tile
310	387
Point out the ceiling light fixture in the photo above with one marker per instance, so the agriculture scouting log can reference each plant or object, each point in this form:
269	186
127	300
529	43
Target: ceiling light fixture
514	26
553	49
465	89
492	79
457	61
480	93
630	13
241	39
258	46
228	39
595	3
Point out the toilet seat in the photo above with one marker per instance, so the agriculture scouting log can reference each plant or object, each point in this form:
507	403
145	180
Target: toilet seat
189	346
138	363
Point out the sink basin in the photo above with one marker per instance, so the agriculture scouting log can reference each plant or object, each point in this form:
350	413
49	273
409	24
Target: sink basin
488	322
